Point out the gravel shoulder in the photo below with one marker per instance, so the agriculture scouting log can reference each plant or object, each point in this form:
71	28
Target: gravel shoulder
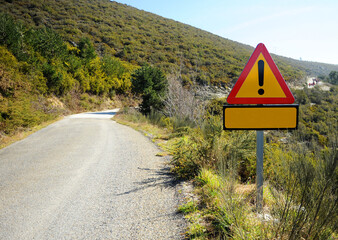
87	178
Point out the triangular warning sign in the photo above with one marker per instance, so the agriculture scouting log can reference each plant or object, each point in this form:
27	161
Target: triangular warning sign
260	82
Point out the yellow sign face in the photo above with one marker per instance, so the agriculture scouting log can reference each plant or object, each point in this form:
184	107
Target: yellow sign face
260	117
270	86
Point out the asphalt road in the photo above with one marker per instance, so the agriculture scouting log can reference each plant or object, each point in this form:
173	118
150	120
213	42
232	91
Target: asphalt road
87	177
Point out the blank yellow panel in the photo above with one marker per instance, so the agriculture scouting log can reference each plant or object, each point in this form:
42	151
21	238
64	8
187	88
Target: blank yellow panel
260	117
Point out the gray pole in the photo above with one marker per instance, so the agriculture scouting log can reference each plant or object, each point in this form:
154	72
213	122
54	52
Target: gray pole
259	170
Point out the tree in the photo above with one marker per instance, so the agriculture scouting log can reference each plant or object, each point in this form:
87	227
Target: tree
182	103
47	42
333	77
11	34
151	83
87	50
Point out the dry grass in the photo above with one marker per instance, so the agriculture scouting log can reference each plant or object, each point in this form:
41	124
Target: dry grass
245	189
155	133
6	140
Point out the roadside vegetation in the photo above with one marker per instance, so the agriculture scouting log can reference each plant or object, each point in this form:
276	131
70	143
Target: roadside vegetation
43	77
300	167
58	57
332	78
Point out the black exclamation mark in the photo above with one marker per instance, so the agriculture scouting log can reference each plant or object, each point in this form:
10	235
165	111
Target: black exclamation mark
261	76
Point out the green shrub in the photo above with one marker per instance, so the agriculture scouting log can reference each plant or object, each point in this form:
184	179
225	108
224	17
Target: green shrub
25	111
133	115
11	34
179	123
158	119
306	205
185	159
46	42
86	50
151	84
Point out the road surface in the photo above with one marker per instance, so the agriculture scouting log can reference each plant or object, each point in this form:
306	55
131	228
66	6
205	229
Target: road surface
86	177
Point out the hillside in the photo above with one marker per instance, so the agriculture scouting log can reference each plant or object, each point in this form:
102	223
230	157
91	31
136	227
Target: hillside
141	37
59	57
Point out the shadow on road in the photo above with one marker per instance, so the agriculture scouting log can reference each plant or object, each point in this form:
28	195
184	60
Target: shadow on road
103	113
157	178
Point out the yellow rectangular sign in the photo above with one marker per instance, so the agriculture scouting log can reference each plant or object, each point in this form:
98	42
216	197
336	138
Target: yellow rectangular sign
265	117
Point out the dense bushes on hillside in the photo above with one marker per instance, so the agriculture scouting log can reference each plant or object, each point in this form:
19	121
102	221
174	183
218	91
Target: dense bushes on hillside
140	37
318	115
19	108
35	63
331	78
65	65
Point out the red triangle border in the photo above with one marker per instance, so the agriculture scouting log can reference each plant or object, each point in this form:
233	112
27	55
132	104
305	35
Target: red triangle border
232	99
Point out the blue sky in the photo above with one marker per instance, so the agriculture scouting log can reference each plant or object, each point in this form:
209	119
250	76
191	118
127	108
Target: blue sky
305	29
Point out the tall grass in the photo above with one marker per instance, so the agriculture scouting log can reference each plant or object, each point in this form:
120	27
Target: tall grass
300	189
300	192
305	186
300	202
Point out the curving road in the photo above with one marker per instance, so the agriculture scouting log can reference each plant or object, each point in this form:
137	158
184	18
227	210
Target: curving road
86	177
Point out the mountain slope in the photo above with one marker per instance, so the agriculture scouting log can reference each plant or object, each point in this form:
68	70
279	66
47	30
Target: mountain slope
141	37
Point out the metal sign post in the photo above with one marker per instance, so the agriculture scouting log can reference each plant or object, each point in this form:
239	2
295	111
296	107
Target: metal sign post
260	100
259	170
